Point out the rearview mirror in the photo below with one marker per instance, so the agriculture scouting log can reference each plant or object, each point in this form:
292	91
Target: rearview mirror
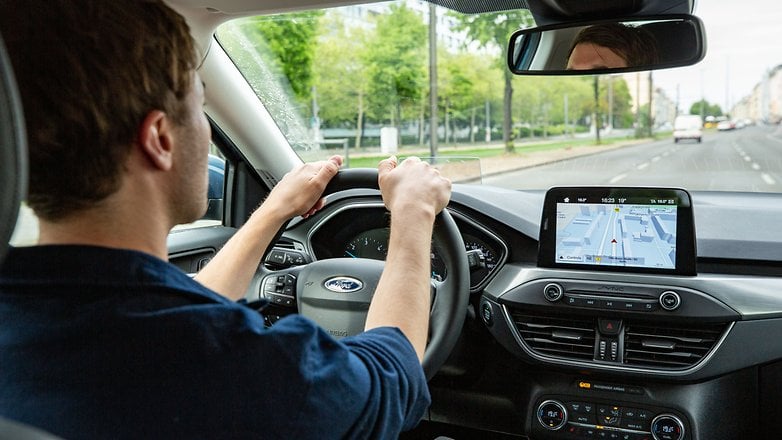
608	46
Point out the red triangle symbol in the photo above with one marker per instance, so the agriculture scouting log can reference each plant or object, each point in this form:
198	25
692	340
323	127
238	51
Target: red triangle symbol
610	326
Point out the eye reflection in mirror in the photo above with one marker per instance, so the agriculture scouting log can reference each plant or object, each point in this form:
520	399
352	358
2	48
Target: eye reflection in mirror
608	46
612	45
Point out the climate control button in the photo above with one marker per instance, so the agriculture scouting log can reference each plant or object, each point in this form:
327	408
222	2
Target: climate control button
552	415
667	427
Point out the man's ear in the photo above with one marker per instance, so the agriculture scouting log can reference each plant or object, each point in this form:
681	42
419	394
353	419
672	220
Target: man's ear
156	139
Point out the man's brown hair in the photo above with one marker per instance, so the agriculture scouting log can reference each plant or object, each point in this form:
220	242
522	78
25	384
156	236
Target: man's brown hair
635	45
89	72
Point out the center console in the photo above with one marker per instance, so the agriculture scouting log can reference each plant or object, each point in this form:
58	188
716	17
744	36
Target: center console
614	295
568	417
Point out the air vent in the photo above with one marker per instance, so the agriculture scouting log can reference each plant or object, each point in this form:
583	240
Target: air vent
669	346
563	337
284	243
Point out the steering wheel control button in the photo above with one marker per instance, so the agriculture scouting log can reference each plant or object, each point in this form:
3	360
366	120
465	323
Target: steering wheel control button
552	415
283	258
667	427
670	300
280	289
553	292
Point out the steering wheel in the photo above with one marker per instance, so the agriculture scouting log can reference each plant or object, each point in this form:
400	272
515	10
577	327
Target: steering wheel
336	293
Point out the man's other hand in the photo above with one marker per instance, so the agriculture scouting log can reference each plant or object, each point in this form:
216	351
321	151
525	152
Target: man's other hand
412	185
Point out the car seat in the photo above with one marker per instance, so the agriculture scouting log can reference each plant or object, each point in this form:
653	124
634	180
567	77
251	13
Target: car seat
13	186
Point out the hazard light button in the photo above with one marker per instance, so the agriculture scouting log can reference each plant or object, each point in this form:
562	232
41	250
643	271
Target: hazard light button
609	326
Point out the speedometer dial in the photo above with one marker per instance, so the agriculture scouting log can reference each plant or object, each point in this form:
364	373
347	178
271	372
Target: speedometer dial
368	244
373	244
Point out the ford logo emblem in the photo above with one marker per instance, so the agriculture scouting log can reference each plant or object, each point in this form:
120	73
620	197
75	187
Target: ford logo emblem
343	284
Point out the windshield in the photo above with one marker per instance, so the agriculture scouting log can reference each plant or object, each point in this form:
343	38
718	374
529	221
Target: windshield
360	81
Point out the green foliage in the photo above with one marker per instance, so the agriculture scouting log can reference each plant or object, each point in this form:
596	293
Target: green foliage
291	39
708	109
395	62
493	30
377	73
622	101
540	99
339	73
465	84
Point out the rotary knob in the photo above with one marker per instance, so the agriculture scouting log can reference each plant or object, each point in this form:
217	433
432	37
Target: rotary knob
553	292
552	415
670	300
667	427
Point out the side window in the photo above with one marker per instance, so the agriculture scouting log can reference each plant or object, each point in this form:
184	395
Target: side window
215	193
26	231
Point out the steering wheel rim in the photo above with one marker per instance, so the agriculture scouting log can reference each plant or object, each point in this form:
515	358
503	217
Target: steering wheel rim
452	294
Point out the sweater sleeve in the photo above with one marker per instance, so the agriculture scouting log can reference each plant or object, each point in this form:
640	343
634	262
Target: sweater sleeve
366	386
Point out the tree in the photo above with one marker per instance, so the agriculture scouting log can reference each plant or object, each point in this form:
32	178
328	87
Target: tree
541	102
292	41
396	64
708	109
622	111
456	89
342	86
493	31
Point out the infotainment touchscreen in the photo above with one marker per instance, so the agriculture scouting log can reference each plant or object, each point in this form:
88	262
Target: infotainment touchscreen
622	229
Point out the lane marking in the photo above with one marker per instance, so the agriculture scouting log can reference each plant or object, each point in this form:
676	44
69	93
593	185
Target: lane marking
617	178
656	158
747	159
642	166
768	179
755	166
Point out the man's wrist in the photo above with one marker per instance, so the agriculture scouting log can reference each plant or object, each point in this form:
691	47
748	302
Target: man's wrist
413	211
271	213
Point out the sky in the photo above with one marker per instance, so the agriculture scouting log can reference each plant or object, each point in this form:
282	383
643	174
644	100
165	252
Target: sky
744	40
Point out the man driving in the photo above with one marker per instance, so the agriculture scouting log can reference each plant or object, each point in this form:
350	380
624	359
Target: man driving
101	336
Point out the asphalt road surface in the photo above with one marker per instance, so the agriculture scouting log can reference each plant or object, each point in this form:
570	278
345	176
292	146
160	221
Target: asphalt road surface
749	159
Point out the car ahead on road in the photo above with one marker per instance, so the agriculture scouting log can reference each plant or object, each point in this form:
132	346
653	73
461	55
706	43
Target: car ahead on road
629	292
688	127
726	126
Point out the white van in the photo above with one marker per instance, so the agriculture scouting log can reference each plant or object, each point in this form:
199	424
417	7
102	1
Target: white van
687	127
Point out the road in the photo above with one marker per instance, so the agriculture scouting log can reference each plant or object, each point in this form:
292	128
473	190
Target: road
749	159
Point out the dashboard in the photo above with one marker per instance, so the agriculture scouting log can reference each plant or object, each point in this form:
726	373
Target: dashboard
567	351
362	231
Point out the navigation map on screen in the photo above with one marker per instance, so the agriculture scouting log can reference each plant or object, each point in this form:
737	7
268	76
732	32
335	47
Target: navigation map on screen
616	234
